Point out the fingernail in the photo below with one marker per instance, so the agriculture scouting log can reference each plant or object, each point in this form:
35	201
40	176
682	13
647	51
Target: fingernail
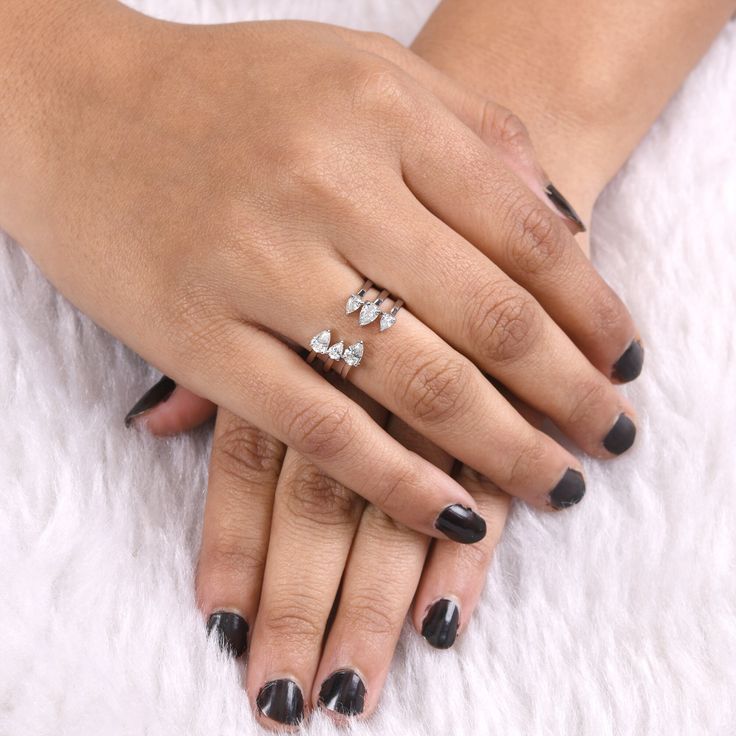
153	397
343	692
232	632
461	524
563	206
569	491
281	701
628	366
440	624
621	436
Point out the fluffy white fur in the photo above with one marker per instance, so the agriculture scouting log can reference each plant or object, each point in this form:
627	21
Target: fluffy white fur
618	617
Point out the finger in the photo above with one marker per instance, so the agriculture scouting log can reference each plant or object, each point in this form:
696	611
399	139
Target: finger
451	583
244	469
272	388
314	521
466	187
414	374
488	317
167	409
380	579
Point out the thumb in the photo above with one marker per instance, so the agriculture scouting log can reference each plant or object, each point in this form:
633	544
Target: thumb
167	409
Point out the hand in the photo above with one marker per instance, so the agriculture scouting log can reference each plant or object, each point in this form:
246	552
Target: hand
245	216
282	543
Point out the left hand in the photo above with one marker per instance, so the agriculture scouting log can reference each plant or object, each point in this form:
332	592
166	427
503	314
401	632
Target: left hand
282	543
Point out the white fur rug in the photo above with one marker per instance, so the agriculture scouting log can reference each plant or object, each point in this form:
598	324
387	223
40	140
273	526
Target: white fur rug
616	618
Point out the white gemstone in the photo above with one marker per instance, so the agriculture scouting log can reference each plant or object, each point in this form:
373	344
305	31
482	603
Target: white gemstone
320	343
387	320
353	303
335	352
368	313
354	354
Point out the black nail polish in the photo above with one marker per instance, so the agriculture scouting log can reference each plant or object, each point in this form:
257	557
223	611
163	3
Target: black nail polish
281	701
440	624
621	436
232	632
461	524
563	206
153	397
569	491
628	366
343	692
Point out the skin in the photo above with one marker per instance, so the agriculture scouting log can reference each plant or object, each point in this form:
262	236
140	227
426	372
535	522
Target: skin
385	563
379	540
221	231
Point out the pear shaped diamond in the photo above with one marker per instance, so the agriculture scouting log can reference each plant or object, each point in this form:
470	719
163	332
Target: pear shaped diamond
387	320
320	343
368	313
353	304
335	352
354	354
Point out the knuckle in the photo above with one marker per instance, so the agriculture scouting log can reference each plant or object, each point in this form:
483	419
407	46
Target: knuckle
609	314
242	451
526	462
367	613
434	389
318	499
321	432
229	557
394	487
590	399
297	620
505	323
536	242
503	127
381	88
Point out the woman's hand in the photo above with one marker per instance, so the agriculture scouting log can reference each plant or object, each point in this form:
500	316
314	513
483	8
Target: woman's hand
211	193
317	582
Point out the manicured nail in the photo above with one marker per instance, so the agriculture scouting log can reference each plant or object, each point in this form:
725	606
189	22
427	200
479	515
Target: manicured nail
461	524
232	632
569	491
343	692
281	701
621	436
153	397
628	366
563	206
440	624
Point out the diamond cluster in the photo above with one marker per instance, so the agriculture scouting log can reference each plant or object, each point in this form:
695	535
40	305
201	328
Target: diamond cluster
352	355
369	312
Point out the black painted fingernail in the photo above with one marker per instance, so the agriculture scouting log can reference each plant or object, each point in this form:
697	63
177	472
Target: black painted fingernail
563	206
461	524
232	631
628	366
153	397
569	491
281	701
440	624
343	692
621	436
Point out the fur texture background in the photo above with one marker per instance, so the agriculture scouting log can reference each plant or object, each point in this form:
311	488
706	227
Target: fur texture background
618	617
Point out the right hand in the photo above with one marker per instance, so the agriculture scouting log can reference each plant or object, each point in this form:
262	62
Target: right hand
212	193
